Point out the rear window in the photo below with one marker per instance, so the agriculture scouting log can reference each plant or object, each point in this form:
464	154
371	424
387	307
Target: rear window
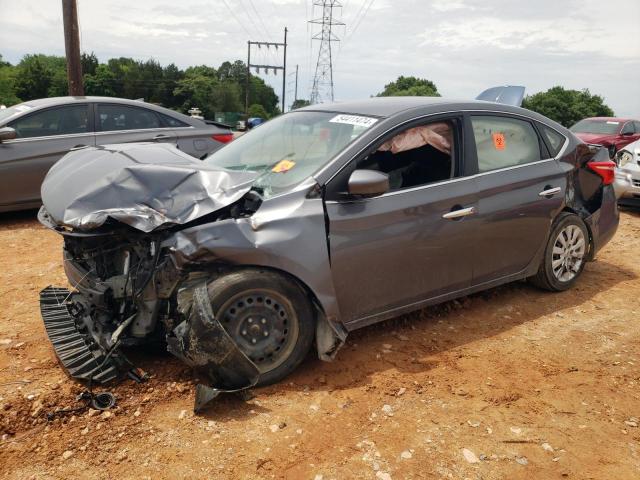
504	142
121	117
606	127
172	122
555	140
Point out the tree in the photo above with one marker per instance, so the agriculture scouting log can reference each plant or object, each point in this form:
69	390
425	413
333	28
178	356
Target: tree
8	85
299	104
89	63
567	106
257	110
410	87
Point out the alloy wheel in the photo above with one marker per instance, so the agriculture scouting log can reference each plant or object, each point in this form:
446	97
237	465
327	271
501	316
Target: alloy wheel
568	253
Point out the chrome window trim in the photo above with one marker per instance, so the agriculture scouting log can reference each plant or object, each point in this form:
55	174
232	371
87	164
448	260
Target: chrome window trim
448	112
48	137
137	130
446	182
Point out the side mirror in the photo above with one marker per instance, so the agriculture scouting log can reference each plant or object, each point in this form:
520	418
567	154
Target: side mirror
368	183
7	133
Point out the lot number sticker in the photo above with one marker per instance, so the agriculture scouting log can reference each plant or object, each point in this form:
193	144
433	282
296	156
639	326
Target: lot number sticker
498	141
355	120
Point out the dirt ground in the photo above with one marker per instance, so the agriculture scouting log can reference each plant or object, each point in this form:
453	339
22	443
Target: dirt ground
511	383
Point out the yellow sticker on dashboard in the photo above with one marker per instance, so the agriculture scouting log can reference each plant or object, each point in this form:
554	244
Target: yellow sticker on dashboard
283	166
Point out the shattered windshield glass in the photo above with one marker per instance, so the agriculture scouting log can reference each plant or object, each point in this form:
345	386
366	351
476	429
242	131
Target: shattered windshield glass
290	148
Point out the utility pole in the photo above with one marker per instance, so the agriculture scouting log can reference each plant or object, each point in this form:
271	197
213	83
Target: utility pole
266	68
295	97
323	78
72	47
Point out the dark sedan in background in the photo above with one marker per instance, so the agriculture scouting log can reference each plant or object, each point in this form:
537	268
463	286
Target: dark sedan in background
36	134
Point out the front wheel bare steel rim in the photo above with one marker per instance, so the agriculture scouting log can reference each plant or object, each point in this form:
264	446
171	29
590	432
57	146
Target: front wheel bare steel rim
568	253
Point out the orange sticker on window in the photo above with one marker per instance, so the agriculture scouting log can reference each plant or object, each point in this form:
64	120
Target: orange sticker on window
498	141
283	166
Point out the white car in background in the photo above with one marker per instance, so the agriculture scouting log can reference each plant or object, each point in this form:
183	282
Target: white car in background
627	183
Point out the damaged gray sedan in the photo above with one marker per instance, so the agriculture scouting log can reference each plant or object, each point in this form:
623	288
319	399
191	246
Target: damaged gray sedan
321	221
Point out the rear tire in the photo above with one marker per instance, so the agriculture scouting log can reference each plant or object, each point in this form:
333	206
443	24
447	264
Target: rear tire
268	316
565	254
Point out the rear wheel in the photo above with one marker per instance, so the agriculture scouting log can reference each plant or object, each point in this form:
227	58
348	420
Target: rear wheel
565	255
268	316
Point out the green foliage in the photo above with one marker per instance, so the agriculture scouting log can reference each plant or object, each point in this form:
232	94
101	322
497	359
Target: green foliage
257	110
410	86
212	90
299	104
567	106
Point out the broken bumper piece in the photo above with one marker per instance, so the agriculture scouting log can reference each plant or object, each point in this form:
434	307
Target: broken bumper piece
80	355
202	343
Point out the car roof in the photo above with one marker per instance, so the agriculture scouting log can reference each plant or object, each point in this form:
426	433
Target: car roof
52	101
390	106
611	119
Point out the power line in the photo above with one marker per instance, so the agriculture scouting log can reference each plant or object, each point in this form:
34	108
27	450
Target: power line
260	19
355	28
236	18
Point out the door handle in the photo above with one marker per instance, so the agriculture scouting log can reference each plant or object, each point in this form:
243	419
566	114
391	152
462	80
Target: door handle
549	192
161	136
463	212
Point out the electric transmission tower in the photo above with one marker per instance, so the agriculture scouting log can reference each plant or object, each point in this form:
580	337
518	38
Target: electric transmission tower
323	79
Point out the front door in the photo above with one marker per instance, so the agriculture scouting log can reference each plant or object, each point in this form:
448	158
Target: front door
404	247
43	137
119	123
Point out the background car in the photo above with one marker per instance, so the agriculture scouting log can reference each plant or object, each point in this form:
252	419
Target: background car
254	122
627	182
36	134
612	133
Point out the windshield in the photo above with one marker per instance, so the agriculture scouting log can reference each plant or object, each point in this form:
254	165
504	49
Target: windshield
6	113
290	148
608	127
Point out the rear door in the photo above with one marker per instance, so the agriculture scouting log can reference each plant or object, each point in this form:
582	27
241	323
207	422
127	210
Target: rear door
123	123
520	190
43	137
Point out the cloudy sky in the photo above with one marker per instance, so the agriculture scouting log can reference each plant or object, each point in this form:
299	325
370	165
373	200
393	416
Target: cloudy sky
464	46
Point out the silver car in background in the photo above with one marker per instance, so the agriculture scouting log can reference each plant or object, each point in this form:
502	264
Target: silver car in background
627	183
36	134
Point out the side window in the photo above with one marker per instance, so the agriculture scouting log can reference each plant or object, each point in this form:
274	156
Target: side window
121	117
415	156
554	139
504	142
636	124
53	121
172	122
628	128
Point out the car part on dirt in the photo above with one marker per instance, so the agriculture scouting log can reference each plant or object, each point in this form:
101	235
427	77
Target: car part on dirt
79	354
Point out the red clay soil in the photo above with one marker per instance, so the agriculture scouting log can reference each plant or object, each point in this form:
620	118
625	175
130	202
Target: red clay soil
511	383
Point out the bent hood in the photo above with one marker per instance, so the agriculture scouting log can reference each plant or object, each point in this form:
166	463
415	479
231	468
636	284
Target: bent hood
141	185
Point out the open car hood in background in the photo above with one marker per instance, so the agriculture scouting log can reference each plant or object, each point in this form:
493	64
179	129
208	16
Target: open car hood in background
507	95
141	185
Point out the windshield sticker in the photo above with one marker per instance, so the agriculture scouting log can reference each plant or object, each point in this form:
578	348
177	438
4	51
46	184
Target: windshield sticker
355	120
498	141
283	166
613	123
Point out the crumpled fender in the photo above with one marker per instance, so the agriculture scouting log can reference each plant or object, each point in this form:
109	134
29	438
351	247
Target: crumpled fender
202	343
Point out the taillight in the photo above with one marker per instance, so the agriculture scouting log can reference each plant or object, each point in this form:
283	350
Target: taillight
607	170
222	137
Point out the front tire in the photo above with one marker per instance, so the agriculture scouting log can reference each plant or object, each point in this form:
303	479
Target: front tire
268	316
565	254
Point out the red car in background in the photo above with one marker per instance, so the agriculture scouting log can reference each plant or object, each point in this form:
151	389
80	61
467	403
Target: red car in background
612	133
